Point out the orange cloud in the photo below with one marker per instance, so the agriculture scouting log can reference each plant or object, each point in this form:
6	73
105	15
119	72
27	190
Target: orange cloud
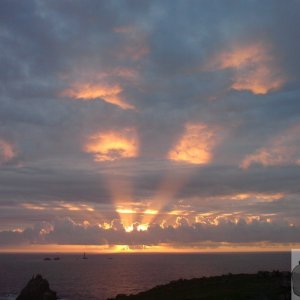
281	150
6	151
264	197
91	91
267	157
216	218
58	206
195	145
113	145
255	68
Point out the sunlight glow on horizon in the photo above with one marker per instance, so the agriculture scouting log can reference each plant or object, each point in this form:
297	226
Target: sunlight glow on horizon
137	227
162	248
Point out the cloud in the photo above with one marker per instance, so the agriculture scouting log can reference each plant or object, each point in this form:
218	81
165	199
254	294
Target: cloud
95	85
280	150
254	68
195	145
7	151
86	91
136	46
68	232
178	108
110	146
182	221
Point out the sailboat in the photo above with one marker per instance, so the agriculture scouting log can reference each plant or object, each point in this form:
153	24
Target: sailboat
84	256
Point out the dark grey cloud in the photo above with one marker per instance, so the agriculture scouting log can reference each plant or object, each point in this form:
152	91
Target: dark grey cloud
66	231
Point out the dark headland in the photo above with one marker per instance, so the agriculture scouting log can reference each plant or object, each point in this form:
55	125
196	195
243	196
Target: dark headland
261	286
37	289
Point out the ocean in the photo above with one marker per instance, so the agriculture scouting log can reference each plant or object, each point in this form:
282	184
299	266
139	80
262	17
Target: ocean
105	275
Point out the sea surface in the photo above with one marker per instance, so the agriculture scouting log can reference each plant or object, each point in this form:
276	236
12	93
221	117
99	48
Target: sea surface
103	276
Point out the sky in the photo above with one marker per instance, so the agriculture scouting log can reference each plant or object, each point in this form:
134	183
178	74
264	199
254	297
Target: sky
149	125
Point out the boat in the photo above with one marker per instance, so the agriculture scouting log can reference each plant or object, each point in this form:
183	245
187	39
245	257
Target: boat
84	256
47	258
56	258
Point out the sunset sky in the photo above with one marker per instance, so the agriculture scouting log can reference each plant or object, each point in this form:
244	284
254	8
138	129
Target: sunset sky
149	125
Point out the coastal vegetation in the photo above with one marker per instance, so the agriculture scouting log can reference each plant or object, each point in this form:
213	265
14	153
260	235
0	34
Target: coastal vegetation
260	286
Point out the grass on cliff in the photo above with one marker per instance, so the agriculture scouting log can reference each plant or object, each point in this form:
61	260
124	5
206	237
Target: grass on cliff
263	285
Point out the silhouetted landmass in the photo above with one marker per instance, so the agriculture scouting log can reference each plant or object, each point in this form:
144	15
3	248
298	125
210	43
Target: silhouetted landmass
261	286
37	289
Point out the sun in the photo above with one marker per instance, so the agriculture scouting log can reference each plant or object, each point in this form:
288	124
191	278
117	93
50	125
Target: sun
137	227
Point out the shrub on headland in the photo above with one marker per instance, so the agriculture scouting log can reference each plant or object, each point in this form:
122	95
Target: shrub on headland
261	286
